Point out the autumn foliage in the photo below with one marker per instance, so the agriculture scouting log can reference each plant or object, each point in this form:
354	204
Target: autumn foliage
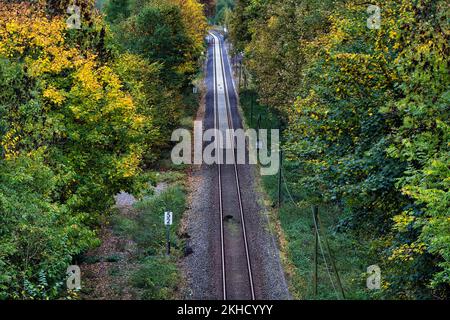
79	120
366	112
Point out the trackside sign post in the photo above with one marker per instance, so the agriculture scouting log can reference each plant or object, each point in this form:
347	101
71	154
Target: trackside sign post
168	220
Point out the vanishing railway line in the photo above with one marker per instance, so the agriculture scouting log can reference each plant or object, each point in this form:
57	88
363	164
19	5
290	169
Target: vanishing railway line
237	276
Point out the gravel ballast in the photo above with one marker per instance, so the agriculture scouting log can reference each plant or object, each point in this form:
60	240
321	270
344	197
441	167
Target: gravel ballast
202	267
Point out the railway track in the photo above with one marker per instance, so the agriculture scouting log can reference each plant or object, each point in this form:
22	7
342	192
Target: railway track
237	275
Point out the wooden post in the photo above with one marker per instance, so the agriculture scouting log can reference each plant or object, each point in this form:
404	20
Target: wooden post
333	264
168	239
251	109
280	181
245	80
315	211
240	73
258	125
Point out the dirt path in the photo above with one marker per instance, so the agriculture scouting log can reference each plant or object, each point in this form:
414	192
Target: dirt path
105	269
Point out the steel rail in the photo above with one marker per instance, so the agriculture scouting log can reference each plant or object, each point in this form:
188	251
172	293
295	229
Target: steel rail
238	187
218	155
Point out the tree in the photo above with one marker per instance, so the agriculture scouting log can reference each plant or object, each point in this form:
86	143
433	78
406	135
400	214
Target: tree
70	139
168	32
367	113
209	7
117	10
223	8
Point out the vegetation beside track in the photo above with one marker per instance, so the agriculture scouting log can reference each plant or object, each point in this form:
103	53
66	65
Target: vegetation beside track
363	101
84	114
297	228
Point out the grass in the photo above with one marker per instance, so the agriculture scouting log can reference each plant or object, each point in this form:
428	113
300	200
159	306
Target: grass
156	275
138	267
157	278
297	227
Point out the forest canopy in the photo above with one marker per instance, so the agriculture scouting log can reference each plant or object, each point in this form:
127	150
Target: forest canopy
82	114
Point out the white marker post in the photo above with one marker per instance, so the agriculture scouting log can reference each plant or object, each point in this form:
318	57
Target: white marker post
168	220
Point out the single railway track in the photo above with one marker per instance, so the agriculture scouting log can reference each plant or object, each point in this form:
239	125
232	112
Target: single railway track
239	282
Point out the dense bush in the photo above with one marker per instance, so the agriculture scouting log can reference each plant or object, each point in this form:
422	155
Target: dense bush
38	236
156	278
